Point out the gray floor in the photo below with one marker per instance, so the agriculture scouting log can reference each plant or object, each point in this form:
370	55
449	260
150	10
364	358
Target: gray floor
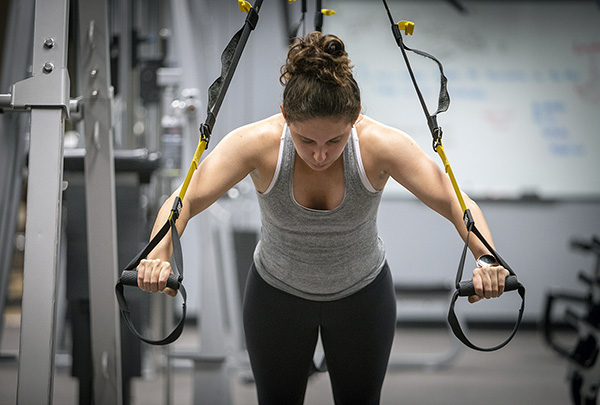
524	372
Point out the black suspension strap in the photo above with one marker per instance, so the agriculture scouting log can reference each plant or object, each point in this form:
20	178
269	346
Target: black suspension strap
293	32
463	288
319	13
216	93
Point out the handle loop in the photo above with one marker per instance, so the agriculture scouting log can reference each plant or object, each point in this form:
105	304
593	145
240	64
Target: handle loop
466	289
129	277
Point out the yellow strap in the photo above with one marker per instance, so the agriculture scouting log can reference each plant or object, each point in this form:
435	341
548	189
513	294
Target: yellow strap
193	166
440	150
199	151
326	11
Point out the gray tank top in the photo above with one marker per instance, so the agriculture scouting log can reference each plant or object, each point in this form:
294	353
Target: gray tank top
320	255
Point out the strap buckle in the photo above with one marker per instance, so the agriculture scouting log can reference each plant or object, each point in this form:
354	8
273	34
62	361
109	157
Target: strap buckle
206	129
436	131
468	219
437	137
252	17
176	209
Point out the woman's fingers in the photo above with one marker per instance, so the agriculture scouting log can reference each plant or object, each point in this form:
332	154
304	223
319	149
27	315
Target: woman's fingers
489	282
153	275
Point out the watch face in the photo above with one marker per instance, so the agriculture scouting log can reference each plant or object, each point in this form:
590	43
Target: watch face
487	260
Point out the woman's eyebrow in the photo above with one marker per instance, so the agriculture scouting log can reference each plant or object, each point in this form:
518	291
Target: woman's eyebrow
303	138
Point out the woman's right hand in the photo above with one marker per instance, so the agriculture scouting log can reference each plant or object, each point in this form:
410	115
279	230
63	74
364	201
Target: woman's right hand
153	275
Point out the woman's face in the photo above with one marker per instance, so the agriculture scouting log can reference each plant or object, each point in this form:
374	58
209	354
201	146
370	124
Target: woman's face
320	141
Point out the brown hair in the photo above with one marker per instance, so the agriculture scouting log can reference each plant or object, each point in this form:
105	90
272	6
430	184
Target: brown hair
318	80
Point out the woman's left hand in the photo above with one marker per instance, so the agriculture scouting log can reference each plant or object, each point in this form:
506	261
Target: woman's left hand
488	282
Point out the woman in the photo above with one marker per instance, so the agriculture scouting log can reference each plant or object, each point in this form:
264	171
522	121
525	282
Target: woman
319	168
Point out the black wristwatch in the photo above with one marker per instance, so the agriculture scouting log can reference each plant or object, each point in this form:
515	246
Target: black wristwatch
486	260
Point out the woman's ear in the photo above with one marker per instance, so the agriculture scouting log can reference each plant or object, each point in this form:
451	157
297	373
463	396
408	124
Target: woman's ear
281	108
357	116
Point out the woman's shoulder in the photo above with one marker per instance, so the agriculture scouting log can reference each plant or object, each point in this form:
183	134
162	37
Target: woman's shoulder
264	132
255	139
374	135
255	146
385	149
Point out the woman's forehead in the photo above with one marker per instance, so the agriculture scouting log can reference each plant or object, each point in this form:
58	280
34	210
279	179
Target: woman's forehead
321	128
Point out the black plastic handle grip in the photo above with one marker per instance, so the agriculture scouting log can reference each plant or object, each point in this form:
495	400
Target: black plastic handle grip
466	289
129	277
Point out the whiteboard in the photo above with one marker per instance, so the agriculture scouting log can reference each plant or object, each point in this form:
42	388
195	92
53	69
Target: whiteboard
524	84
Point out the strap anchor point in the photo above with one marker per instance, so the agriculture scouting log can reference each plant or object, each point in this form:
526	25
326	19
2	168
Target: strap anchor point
244	6
407	26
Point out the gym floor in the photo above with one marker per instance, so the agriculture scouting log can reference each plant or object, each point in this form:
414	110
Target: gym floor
526	371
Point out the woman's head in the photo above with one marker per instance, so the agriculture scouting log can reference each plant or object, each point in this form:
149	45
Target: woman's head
318	80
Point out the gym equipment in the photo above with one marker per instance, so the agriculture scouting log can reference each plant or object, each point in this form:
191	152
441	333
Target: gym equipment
133	171
583	315
15	61
97	99
46	95
463	288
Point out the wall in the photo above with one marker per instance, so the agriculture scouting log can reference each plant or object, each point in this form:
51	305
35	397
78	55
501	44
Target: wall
523	79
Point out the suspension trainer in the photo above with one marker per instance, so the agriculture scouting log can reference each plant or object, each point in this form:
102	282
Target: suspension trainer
216	93
463	288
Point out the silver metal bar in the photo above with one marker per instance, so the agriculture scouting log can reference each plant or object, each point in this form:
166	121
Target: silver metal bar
124	21
100	201
44	205
5	100
16	59
44	202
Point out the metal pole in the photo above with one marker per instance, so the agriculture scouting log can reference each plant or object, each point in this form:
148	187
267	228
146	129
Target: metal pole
44	202
124	20
100	201
15	59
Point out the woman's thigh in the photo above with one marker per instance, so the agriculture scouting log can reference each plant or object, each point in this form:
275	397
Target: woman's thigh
281	334
357	334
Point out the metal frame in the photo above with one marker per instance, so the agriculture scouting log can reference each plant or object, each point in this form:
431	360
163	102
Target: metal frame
16	59
46	95
100	201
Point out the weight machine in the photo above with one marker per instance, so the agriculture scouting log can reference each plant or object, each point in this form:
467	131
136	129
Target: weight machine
46	97
583	315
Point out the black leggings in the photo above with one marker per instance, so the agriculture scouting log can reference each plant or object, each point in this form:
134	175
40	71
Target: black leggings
357	333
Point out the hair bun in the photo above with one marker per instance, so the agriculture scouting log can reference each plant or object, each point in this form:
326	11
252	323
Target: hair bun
333	46
318	80
320	56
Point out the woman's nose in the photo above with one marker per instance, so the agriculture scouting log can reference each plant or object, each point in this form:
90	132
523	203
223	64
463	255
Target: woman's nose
320	155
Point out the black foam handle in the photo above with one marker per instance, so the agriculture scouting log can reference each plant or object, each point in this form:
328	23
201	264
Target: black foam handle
466	289
129	277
